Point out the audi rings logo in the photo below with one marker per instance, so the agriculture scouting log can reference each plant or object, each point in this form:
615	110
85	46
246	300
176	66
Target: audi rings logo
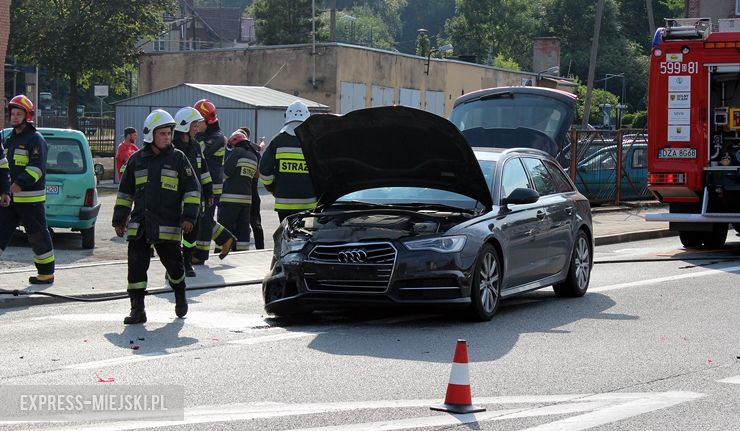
352	255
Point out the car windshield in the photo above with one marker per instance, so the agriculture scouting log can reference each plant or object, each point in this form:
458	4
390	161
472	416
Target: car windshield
420	195
508	111
64	156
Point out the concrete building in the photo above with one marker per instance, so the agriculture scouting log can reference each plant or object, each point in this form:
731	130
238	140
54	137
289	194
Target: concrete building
343	77
259	108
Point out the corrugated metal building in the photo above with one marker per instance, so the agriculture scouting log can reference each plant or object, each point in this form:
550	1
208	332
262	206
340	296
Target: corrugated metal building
261	109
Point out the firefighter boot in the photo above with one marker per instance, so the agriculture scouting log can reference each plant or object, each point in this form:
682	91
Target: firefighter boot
181	301
187	259
227	246
137	314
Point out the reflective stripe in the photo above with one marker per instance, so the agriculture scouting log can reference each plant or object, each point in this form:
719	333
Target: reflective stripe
203	245
220	152
44	258
133	229
216	231
178	281
4	163
170	233
32	196
293	156
136	286
218	189
296	200
242	245
192	200
187	244
295	206
124	199
34	172
205	178
288	150
237	199
169	173
267	179
141	176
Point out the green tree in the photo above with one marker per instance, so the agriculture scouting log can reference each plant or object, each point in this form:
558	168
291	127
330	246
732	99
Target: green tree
428	14
74	39
281	22
598	97
487	29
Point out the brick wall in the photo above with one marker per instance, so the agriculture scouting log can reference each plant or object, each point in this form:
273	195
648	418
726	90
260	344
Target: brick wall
4	30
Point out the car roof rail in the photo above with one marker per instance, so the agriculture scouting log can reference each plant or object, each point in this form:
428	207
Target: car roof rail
526	150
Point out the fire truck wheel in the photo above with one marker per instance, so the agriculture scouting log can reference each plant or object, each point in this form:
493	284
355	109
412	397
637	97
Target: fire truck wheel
717	237
691	239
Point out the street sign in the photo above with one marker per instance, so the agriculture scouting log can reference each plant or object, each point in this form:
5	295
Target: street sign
101	91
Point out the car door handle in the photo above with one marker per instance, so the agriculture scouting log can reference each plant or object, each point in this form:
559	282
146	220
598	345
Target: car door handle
569	210
540	215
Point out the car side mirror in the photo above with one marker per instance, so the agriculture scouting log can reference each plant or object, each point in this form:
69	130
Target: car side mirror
521	196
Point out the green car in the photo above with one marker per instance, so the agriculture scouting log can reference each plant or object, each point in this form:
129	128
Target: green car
71	196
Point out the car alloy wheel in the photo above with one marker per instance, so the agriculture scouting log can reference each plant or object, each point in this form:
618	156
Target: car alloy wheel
485	292
579	269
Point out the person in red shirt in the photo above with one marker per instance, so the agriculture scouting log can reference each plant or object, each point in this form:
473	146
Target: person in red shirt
125	149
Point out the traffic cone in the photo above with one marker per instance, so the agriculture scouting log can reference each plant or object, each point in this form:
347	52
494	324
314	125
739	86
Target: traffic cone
458	398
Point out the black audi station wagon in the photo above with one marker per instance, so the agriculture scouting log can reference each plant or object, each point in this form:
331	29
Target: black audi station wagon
410	214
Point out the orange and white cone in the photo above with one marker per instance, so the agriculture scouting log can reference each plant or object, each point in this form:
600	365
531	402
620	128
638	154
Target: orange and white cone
458	398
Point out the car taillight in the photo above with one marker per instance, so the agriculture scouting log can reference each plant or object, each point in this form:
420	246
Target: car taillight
673	178
89	197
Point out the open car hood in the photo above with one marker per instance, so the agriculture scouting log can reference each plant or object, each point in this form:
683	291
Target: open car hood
390	146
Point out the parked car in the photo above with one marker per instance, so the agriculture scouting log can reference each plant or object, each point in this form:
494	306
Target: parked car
506	117
596	176
421	218
71	196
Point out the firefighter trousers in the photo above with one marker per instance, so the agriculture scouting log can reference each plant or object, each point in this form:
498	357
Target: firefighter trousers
255	220
139	258
33	219
208	230
235	217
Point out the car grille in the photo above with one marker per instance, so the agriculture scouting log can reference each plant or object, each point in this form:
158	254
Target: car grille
359	268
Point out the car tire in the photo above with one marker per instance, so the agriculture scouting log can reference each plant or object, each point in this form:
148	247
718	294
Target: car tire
579	272
690	238
88	238
485	291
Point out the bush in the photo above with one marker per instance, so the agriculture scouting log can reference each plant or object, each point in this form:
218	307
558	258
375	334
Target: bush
640	120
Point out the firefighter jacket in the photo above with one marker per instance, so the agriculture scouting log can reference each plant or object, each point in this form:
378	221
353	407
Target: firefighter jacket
283	171
239	170
26	158
213	144
162	190
4	168
192	151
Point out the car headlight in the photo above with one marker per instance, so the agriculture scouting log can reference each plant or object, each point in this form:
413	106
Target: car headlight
442	244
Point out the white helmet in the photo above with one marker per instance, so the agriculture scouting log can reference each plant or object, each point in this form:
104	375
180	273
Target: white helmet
184	117
156	119
297	111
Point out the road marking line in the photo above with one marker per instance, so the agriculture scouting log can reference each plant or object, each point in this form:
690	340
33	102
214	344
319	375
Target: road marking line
705	273
602	408
734	380
139	357
274	337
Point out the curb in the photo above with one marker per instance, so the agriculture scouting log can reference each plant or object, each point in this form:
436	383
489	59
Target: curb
633	236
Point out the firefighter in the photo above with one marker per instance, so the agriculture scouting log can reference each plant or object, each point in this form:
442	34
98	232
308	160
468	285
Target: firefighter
236	201
187	124
23	188
213	145
282	168
255	218
158	200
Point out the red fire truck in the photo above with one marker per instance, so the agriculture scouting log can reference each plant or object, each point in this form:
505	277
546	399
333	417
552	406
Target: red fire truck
694	124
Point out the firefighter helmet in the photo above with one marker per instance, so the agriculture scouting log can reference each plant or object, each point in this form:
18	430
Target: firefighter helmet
156	119
297	111
236	138
184	117
207	109
24	103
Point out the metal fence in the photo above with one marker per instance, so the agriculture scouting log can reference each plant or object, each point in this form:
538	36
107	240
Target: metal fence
610	166
100	132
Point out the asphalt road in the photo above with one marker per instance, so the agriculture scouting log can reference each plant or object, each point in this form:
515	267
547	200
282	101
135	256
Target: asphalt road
67	244
653	345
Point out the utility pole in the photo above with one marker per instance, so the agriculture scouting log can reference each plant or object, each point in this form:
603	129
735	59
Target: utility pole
651	19
592	63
